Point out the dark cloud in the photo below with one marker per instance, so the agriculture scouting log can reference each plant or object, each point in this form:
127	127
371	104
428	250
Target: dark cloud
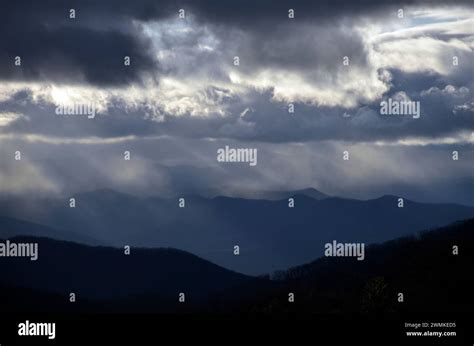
258	14
315	50
89	48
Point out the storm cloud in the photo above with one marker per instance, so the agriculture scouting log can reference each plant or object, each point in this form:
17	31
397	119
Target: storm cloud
183	94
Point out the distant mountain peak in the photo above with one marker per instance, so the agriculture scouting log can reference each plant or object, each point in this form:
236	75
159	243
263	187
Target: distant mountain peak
285	194
312	192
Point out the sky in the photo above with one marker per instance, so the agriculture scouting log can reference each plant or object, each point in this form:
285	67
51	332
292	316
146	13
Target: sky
183	97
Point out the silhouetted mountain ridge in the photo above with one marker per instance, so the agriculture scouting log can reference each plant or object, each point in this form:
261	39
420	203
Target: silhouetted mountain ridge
104	273
423	267
10	227
270	234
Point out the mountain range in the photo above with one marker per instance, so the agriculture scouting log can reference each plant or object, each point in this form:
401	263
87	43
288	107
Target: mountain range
270	234
424	268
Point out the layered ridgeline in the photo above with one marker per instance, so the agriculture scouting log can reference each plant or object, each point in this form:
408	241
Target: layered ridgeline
270	234
102	273
431	270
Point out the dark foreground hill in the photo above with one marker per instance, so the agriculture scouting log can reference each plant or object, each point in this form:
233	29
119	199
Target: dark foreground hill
423	268
104	273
